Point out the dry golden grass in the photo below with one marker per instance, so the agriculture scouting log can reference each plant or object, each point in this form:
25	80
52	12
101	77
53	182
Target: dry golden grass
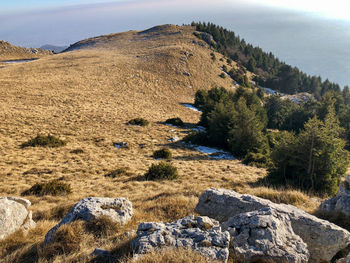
86	98
171	256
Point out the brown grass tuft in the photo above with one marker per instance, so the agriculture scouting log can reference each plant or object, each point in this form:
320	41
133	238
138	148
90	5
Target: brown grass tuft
68	238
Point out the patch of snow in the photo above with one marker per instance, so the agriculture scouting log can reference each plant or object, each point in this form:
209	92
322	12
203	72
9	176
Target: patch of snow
199	129
174	139
215	153
207	150
225	72
270	91
191	107
120	145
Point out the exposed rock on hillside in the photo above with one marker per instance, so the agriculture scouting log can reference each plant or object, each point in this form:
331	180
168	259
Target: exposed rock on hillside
118	210
266	234
341	202
14	215
201	234
323	238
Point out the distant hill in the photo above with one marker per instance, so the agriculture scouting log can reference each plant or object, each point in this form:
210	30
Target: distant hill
56	49
8	51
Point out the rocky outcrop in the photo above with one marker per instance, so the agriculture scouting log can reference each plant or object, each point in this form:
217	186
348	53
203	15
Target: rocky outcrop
200	234
265	235
206	37
323	238
14	215
341	202
117	209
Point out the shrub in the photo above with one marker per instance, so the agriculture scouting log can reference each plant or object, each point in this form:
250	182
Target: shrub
53	187
139	122
213	57
118	172
162	171
162	154
175	122
222	75
77	151
44	141
195	137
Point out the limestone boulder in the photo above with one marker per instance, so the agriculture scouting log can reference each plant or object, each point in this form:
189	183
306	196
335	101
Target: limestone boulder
265	235
323	238
14	215
200	234
340	202
117	209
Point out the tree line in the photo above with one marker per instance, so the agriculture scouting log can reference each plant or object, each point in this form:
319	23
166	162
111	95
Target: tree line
301	145
271	72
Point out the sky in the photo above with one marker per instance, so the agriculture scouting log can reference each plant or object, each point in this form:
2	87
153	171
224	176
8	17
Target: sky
313	35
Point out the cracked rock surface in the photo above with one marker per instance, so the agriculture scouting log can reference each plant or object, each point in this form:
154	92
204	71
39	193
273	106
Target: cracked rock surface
324	239
200	234
265	234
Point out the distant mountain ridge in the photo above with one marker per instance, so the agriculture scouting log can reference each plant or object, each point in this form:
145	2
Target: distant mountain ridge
55	49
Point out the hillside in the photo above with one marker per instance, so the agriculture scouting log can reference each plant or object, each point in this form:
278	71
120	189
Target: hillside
9	52
86	96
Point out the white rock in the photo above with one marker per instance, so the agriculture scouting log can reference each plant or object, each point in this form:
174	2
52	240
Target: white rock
323	238
14	215
266	234
340	202
117	209
201	234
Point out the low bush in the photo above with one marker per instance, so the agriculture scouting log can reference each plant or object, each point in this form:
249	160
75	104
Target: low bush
118	172
54	187
195	137
44	141
77	151
162	171
162	154
222	75
139	122
175	122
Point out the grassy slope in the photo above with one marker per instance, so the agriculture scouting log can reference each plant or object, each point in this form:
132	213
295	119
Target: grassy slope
86	97
9	52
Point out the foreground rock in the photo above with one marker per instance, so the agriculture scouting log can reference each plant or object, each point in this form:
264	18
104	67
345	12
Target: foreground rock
344	260
323	238
14	215
117	209
341	202
265	235
201	234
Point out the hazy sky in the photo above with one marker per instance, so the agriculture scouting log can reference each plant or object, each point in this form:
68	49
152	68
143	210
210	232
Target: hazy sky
313	35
